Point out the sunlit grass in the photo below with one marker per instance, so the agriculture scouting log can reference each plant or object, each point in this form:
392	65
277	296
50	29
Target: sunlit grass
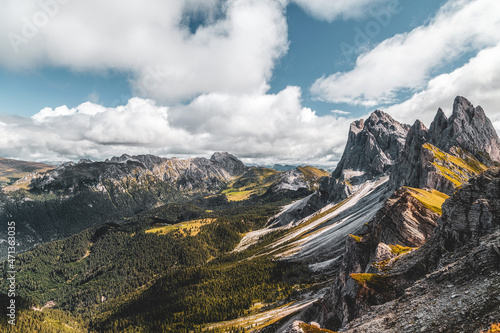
432	199
455	169
187	228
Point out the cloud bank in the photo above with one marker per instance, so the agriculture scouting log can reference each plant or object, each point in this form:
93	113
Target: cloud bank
255	127
407	61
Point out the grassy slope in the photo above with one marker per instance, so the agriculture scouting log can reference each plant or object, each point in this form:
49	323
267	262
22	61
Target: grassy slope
12	170
456	169
257	181
123	262
431	199
192	227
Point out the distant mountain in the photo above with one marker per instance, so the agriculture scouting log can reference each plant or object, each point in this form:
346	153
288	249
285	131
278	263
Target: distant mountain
96	193
281	167
13	170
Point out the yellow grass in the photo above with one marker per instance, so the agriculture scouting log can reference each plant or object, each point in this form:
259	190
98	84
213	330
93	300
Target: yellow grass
191	228
313	329
235	195
495	328
312	172
400	249
431	199
376	281
455	169
356	238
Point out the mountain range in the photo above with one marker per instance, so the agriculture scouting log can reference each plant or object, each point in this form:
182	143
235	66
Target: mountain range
403	236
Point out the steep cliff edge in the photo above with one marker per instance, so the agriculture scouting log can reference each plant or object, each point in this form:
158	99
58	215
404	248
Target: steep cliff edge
451	283
405	222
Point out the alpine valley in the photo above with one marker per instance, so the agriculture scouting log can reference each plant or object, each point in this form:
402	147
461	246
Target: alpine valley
403	236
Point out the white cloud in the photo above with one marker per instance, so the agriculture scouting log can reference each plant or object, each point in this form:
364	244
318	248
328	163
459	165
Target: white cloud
232	51
255	127
329	10
407	61
478	81
340	112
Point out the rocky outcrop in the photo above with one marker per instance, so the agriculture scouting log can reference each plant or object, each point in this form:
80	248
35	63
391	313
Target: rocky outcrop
470	214
403	221
457	270
383	277
410	170
373	145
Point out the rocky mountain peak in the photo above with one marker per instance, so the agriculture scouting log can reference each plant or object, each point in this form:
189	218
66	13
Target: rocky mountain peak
468	128
373	145
418	129
229	162
439	124
122	158
379	117
356	127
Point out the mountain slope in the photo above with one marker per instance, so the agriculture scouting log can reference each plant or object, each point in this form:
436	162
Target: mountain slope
72	197
12	170
407	220
457	270
469	128
75	196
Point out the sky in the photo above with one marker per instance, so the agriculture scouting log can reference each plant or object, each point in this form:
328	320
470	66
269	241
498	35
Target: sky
270	81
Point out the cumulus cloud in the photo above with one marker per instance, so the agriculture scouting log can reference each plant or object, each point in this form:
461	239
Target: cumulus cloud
329	10
254	127
478	80
407	61
174	50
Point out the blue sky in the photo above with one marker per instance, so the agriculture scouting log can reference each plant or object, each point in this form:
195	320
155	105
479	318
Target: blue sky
257	78
315	50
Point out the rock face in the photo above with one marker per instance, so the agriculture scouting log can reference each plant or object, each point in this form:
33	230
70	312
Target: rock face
463	252
372	148
373	145
383	277
189	175
457	270
410	169
402	221
472	212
